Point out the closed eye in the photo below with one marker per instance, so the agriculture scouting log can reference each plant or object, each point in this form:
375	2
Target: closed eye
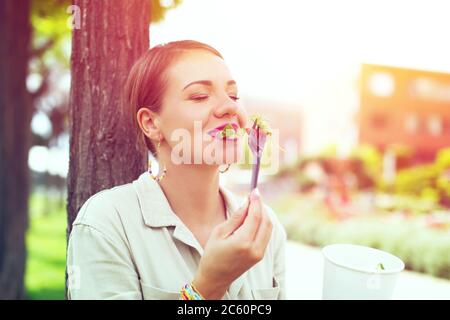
204	97
199	98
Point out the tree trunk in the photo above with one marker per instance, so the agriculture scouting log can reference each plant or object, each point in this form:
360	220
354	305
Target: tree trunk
103	153
15	116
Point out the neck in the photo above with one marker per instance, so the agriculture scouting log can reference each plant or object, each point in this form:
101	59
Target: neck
193	192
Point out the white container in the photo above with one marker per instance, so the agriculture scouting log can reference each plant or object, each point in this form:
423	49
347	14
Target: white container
354	272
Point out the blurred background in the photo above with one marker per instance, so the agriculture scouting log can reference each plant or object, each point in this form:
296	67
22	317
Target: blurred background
359	94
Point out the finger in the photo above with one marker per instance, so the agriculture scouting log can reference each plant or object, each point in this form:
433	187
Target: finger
235	220
251	224
264	234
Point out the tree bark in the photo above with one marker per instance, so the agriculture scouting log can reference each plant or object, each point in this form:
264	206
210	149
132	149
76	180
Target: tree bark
15	117
103	152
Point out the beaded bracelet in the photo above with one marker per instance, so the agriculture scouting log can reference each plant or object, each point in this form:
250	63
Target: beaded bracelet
189	292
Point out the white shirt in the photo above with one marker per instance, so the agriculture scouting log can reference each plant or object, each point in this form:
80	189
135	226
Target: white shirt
127	243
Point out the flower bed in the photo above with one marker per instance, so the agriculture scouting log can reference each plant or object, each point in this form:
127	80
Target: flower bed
422	249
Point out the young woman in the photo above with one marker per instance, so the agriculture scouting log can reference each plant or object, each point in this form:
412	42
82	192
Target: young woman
179	234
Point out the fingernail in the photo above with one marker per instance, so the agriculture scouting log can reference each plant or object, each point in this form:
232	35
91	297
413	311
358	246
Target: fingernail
255	195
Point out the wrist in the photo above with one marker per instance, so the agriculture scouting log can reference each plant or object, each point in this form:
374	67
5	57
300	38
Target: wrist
208	289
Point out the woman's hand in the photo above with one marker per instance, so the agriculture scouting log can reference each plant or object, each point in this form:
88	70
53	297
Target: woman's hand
233	247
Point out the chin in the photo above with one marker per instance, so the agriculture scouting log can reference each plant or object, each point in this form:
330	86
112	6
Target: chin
225	152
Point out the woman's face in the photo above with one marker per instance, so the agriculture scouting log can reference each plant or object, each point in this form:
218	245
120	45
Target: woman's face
201	95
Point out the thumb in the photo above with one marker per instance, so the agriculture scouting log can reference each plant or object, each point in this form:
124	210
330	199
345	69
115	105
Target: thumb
236	219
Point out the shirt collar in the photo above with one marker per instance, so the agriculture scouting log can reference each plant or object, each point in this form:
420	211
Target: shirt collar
156	210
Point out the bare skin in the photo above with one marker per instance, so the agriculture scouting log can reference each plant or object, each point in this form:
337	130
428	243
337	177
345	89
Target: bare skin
231	246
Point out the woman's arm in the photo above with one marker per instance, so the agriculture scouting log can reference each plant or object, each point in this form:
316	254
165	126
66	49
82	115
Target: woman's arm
99	267
233	248
99	263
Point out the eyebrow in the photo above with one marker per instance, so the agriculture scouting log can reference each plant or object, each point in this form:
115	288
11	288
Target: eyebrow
208	83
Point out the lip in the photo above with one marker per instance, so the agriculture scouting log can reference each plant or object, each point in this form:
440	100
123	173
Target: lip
216	130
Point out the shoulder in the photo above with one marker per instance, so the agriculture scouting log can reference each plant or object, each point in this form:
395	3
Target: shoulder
106	207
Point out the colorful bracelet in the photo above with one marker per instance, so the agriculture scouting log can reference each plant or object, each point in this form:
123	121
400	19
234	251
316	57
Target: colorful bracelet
189	292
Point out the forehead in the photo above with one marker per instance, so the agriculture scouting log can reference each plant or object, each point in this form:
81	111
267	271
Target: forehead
196	65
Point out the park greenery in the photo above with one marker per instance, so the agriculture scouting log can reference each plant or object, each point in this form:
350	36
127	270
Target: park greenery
407	216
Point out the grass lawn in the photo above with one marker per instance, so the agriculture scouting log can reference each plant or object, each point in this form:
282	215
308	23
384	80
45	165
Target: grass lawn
46	250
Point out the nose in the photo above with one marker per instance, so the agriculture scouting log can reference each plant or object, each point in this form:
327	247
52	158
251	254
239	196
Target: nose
226	108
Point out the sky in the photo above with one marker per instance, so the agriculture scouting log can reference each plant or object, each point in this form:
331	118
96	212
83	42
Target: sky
284	49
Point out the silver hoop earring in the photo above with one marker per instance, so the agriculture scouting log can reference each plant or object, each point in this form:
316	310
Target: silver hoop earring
160	175
226	169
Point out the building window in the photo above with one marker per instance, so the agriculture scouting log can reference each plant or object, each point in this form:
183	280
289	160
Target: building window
381	84
434	125
412	123
431	89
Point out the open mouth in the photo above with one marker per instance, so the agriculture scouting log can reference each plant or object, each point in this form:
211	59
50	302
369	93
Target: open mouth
227	131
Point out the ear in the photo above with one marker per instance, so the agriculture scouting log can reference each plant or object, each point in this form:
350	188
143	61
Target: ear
149	123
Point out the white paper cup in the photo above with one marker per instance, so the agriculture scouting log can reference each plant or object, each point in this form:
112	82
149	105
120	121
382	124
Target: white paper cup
353	272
